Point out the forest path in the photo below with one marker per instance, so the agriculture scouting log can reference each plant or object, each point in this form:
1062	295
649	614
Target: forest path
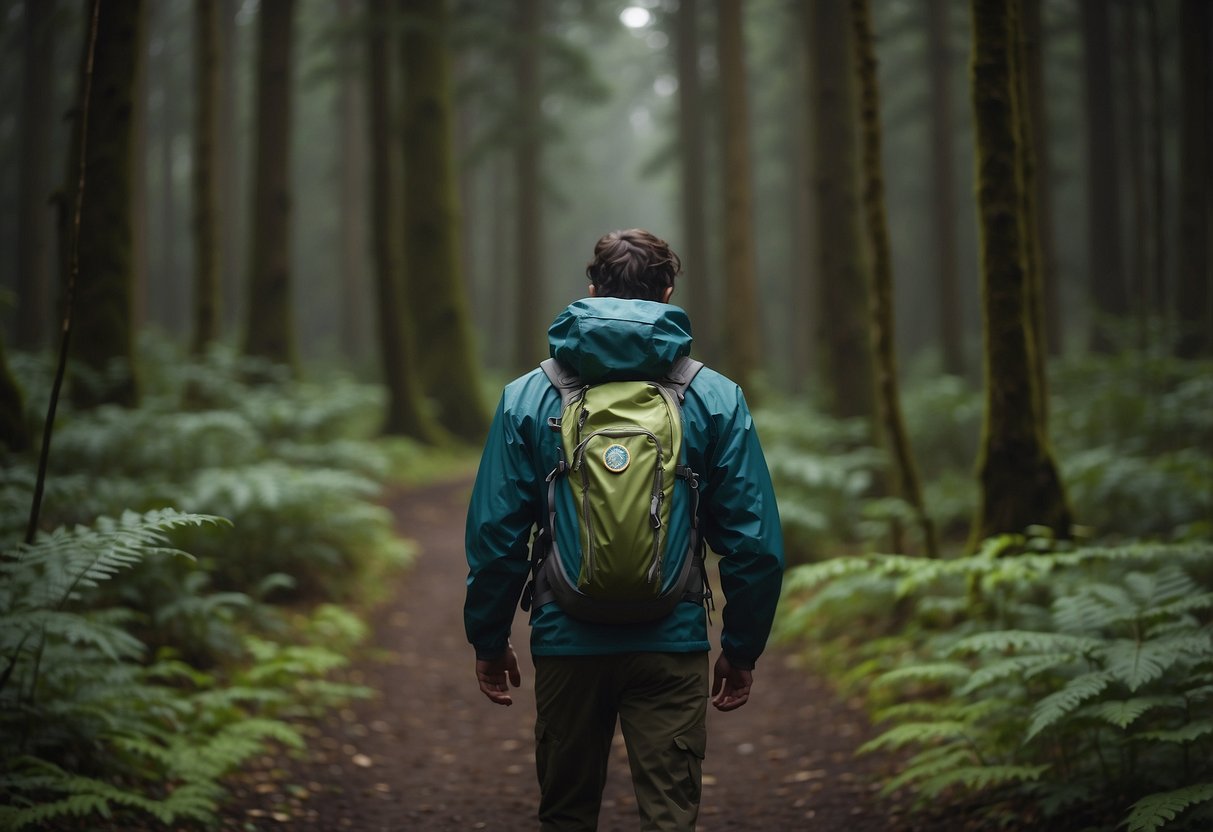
430	753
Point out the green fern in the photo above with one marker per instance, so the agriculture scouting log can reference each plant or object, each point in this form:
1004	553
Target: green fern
1157	810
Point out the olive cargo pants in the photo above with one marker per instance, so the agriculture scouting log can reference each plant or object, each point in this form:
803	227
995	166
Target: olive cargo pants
660	700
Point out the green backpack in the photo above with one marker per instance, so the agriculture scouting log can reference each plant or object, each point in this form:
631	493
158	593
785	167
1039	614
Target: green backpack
623	463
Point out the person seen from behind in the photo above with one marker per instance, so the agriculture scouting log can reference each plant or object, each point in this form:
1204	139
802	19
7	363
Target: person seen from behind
593	664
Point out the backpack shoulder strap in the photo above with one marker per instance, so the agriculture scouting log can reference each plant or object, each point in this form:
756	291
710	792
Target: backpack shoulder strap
681	374
564	380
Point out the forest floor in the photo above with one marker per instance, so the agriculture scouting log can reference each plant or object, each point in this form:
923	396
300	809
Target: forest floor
428	752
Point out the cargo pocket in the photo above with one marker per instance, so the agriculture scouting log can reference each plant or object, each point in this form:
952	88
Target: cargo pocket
692	749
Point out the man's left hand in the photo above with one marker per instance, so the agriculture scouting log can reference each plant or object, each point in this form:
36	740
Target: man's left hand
492	676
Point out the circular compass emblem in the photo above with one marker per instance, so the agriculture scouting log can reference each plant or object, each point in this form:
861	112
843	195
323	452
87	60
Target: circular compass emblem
616	458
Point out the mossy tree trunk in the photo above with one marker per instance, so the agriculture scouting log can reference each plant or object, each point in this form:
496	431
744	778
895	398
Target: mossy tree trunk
270	327
905	480
740	300
103	340
694	287
943	192
406	413
1109	295
206	174
529	340
437	295
1020	485
14	430
1195	317
842	303
34	177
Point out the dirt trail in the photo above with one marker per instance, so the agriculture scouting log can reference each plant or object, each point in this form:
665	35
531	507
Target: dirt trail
430	753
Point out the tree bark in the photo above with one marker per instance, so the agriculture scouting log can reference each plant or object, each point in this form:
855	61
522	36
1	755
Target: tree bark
1158	182
207	59
103	333
406	412
741	314
1194	318
431	220
352	176
906	480
232	198
694	287
528	251
35	218
842	304
1019	482
269	331
1105	271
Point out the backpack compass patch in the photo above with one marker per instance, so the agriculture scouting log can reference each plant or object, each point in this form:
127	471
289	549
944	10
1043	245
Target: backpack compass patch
616	458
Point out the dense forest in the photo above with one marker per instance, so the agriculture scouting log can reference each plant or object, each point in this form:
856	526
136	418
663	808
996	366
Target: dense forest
265	261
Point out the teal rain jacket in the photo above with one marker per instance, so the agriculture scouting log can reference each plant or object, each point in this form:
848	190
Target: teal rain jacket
612	338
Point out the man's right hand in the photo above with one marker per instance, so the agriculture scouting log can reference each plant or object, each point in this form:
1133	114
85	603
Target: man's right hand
492	676
730	686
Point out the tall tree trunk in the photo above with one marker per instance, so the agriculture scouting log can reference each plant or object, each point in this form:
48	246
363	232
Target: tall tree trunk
1105	271
232	197
269	331
431	221
1192	295
1135	116
1027	136
352	174
406	412
103	333
141	202
951	335
528	251
163	294
1020	485
206	183
1051	330
35	217
694	287
741	321
14	429
907	484
1158	182
841	271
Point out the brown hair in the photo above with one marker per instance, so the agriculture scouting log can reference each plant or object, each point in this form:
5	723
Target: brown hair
632	264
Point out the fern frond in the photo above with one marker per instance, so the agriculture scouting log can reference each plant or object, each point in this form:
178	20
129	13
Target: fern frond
1016	667
979	778
1135	663
1026	640
917	733
1058	705
1154	812
1195	730
928	764
950	673
1123	713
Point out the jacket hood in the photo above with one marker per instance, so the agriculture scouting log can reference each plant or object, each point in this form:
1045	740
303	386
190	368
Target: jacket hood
613	338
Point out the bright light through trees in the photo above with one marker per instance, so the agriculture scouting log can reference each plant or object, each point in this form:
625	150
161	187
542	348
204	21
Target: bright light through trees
635	17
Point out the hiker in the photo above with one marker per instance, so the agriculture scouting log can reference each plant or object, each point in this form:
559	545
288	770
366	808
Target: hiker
617	608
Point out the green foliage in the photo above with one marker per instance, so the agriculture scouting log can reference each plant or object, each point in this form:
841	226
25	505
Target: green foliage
1080	680
134	677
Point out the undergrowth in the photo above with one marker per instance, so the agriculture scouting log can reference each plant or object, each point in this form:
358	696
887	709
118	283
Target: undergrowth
134	676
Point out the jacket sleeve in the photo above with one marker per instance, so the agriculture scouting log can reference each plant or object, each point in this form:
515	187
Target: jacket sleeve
501	512
741	524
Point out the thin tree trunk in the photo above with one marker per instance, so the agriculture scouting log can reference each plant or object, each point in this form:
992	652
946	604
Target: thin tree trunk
1158	290
169	273
269	331
905	479
951	335
741	323
842	304
232	197
103	331
207	59
449	369
528	252
406	412
352	175
1105	271
1192	295
695	289
35	218
1019	482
